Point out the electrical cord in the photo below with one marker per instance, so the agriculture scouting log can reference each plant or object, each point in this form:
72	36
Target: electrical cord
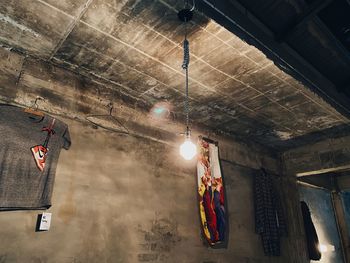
186	48
185	64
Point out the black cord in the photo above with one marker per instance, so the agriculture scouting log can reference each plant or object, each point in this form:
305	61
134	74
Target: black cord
186	48
185	67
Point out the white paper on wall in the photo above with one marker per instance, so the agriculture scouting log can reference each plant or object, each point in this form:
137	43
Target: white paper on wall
45	221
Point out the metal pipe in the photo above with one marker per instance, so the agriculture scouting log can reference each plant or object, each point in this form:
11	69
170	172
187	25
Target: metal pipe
312	186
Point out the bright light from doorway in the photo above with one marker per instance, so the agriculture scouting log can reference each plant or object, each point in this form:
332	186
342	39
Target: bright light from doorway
326	248
323	248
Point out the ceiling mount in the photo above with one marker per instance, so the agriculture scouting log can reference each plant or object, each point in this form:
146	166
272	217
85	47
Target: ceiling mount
185	14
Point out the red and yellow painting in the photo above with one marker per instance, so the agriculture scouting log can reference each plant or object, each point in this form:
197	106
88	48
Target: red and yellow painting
211	193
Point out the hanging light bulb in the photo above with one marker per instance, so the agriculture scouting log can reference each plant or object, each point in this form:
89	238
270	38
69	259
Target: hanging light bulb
187	149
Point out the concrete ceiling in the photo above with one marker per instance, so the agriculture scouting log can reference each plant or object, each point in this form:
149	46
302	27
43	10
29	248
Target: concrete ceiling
136	45
318	30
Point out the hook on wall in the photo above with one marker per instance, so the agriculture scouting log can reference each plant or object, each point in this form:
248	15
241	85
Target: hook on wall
110	106
186	4
35	104
34	109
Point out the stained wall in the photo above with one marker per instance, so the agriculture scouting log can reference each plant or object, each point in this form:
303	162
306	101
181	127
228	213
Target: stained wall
130	198
118	198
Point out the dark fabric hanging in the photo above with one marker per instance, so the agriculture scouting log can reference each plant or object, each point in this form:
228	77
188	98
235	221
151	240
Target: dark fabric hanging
269	219
311	234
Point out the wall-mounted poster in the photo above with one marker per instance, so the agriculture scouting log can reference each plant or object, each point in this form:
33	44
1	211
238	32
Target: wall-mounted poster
211	193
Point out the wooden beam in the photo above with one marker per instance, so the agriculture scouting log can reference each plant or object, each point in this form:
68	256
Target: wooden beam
303	18
323	171
240	21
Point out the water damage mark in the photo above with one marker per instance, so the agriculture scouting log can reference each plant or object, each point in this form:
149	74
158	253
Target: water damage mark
12	22
159	239
162	16
283	135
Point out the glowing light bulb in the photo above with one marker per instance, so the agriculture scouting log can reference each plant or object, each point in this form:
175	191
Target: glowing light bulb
188	149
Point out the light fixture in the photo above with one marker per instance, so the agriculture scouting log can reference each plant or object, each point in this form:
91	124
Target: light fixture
187	149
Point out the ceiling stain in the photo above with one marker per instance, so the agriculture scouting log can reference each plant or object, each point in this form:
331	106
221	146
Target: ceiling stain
136	48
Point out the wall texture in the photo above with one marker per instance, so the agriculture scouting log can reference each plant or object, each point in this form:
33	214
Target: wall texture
331	155
118	198
345	196
121	198
318	161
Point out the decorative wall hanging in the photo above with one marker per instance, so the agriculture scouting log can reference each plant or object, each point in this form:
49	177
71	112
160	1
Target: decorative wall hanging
211	193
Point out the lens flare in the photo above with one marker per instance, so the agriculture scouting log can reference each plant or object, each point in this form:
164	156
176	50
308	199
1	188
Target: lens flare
160	111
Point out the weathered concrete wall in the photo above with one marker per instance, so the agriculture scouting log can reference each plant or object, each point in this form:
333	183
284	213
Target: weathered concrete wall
343	181
322	159
342	223
345	196
68	94
296	236
326	156
121	198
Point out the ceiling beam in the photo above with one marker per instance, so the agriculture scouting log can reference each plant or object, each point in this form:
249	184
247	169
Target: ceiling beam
309	13
312	185
71	27
240	21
